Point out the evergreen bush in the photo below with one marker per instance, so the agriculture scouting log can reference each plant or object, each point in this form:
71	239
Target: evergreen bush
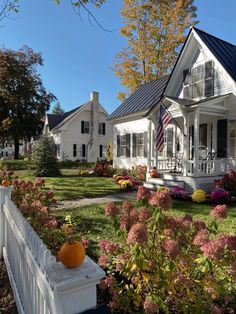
44	162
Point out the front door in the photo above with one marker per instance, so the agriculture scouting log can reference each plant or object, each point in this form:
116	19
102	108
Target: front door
222	145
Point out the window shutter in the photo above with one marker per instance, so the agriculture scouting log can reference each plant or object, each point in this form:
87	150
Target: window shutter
222	129
118	146
100	151
186	77
104	128
209	79
134	147
74	150
145	144
127	145
83	150
82	127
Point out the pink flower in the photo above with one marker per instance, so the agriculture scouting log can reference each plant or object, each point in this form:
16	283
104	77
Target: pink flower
201	238
125	221
150	307
170	247
143	193
127	207
50	194
219	212
137	234
39	182
214	249
102	261
168	232
107	246
198	224
51	223
85	243
111	209
144	214
161	199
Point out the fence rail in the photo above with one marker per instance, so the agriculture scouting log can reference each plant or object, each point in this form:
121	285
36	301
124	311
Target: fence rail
28	260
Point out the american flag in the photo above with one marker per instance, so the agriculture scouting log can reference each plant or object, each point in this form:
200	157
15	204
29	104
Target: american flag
164	120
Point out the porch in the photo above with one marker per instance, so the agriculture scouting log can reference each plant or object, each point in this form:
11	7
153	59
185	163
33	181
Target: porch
197	146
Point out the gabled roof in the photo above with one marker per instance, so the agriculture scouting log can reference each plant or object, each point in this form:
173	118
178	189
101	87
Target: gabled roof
54	120
143	99
225	52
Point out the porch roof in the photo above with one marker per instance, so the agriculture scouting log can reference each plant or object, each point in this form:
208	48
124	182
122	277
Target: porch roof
189	103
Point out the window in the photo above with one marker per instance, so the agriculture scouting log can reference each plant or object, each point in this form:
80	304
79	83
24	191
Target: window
84	127
169	136
102	151
102	128
198	82
123	145
74	150
232	138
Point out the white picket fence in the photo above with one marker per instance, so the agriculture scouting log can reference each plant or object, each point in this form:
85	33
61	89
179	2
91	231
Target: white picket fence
40	284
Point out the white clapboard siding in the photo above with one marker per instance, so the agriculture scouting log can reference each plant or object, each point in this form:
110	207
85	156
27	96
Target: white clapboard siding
26	256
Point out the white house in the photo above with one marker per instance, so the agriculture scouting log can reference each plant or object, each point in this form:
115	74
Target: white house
82	133
200	94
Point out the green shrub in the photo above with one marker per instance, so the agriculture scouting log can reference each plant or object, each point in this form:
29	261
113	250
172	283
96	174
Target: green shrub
44	163
15	164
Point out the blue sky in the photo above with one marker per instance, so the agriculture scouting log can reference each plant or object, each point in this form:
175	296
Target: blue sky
78	56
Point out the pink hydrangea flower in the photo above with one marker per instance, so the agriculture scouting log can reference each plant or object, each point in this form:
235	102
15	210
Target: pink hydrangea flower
85	243
143	193
170	247
127	207
168	232
198	225
161	199
111	209
214	249
102	261
125	221
107	246
39	182
150	307
144	214
137	234
219	212
50	194
201	238
51	222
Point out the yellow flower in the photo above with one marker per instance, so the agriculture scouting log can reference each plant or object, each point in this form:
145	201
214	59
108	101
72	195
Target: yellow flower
199	196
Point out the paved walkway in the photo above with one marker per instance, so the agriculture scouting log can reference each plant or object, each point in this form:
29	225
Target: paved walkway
118	197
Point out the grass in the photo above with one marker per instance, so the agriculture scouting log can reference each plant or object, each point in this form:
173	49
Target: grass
72	186
92	224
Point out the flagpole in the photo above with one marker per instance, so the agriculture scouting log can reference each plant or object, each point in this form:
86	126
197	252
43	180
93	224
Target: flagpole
173	119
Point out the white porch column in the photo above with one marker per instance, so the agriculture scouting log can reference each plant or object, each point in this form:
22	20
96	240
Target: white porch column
196	141
149	146
186	143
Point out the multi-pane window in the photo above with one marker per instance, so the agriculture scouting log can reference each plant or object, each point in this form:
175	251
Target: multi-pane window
84	127
232	138
140	144
102	128
123	145
198	82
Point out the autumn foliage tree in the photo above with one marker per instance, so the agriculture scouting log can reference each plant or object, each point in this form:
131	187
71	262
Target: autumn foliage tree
155	31
57	109
23	98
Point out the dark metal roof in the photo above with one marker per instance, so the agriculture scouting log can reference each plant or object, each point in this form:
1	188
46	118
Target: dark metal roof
144	98
222	50
54	120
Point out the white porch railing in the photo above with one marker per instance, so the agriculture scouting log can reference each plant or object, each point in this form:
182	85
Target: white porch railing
210	167
39	283
201	168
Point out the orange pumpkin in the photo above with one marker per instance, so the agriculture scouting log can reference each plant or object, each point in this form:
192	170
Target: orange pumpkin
5	183
72	254
154	174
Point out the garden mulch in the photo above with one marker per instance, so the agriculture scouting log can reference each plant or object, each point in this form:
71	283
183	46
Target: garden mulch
7	303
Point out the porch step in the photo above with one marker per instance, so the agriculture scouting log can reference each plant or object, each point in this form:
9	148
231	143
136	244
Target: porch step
153	184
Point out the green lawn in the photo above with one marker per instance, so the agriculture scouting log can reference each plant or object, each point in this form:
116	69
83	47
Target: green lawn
92	224
72	186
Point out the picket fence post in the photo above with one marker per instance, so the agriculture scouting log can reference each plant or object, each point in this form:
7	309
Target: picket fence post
74	289
4	191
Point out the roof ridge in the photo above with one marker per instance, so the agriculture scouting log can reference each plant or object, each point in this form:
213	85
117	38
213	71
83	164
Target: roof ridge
200	30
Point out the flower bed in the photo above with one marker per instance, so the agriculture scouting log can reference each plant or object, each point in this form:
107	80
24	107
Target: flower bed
168	264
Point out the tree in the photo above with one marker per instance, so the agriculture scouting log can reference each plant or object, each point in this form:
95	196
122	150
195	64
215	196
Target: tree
8	8
44	163
57	110
155	31
23	98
